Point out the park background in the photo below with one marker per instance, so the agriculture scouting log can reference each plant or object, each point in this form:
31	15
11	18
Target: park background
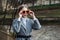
47	11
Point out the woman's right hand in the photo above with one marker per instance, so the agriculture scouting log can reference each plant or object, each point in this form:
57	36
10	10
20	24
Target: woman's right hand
20	15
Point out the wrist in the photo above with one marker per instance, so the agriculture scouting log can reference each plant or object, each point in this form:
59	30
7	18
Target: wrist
34	18
19	18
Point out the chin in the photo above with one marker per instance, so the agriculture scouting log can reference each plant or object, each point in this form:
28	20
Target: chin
24	15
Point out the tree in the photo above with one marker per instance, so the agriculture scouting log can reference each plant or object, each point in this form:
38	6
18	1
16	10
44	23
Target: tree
59	1
54	1
49	2
0	5
29	1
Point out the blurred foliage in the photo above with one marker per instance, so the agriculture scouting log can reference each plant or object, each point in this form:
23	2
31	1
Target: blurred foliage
45	6
52	10
37	10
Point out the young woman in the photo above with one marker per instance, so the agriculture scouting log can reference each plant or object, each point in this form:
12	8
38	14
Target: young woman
23	25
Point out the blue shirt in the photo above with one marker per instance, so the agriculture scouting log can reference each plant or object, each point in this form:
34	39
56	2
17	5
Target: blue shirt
24	26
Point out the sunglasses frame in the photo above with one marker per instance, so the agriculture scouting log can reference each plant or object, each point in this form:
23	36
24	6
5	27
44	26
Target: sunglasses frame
26	11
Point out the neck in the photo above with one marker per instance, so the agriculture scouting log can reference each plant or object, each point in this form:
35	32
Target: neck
24	16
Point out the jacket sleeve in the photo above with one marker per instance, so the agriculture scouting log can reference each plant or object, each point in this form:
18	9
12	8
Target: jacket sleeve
36	24
16	26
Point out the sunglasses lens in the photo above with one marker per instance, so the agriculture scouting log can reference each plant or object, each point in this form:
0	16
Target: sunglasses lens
27	11
23	11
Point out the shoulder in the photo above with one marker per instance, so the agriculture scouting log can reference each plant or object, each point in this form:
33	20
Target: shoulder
14	20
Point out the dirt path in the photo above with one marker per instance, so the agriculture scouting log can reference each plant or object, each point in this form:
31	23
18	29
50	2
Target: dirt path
48	32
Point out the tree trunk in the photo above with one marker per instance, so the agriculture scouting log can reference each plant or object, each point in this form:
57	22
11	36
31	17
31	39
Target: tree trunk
49	2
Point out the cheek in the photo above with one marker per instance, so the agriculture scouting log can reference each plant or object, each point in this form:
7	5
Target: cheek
24	14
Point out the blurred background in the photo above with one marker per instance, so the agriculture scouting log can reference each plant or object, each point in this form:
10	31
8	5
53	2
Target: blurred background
47	11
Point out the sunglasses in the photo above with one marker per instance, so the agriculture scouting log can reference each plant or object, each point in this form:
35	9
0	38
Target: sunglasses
25	12
28	12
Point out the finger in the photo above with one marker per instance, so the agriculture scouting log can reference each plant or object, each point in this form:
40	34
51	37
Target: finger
20	12
32	12
20	15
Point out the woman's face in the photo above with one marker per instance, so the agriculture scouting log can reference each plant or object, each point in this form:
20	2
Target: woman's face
24	12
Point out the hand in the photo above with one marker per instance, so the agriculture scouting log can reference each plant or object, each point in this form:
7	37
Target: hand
20	15
32	14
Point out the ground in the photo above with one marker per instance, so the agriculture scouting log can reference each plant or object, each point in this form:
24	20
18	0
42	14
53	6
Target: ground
47	32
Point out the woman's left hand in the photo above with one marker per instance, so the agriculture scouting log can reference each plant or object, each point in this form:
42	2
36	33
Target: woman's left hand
32	14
